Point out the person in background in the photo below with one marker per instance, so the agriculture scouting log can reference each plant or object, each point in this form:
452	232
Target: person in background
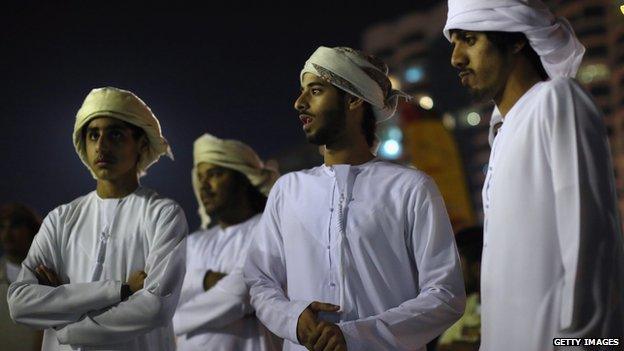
464	335
230	183
18	226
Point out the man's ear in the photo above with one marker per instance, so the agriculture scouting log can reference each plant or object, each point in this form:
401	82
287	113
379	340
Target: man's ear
354	102
143	143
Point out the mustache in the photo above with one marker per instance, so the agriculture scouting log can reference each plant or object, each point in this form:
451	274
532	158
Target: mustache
205	192
104	158
306	113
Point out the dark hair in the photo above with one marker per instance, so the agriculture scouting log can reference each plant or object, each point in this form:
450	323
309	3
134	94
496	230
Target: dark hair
20	215
369	120
369	124
503	41
257	200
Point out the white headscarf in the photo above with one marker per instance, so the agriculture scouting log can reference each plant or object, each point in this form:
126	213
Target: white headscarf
231	154
358	74
553	39
123	105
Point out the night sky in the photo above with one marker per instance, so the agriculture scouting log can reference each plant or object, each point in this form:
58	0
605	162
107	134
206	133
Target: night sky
233	73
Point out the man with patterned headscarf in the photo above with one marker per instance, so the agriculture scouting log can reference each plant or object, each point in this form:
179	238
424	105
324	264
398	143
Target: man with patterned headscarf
105	270
230	183
358	253
553	260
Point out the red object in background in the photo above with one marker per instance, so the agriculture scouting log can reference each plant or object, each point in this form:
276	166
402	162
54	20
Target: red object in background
409	112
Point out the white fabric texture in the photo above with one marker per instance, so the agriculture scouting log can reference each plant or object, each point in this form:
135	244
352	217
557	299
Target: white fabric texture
378	231
355	73
148	233
553	39
231	154
219	319
553	258
123	105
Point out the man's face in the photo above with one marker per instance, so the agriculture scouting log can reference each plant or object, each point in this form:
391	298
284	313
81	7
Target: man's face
15	238
219	191
483	69
112	150
321	110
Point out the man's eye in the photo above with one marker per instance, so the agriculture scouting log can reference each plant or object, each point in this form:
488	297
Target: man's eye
93	136
470	40
315	91
115	135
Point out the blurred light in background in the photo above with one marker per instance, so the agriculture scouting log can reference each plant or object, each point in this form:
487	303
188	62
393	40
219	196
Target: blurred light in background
395	133
390	143
414	74
593	73
391	149
473	118
448	121
426	102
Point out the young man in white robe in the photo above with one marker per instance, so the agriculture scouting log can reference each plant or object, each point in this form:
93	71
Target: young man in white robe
230	183
105	270
18	226
357	253
553	260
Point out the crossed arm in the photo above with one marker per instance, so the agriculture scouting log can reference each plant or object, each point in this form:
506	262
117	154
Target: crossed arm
94	313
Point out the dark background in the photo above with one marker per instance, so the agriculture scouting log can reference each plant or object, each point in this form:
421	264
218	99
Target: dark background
232	72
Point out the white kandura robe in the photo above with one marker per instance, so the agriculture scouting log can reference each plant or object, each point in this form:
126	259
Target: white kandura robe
93	245
374	239
221	318
552	254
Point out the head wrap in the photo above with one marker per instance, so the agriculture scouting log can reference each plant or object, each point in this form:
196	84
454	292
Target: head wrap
125	106
235	155
360	75
553	39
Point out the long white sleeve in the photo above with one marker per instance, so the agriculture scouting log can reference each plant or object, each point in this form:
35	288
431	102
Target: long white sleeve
41	306
441	300
587	225
224	303
149	308
265	274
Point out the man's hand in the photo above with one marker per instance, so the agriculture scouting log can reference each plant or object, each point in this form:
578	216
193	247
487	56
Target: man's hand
308	326
328	337
136	280
47	276
211	278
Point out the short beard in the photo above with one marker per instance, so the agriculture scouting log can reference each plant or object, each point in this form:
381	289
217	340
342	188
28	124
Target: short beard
481	95
335	124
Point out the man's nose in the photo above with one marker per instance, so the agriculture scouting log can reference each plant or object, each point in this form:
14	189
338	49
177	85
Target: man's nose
458	57
301	104
101	144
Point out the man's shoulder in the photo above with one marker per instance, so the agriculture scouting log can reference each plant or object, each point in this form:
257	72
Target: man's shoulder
74	206
561	88
564	97
152	200
294	177
201	235
399	172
